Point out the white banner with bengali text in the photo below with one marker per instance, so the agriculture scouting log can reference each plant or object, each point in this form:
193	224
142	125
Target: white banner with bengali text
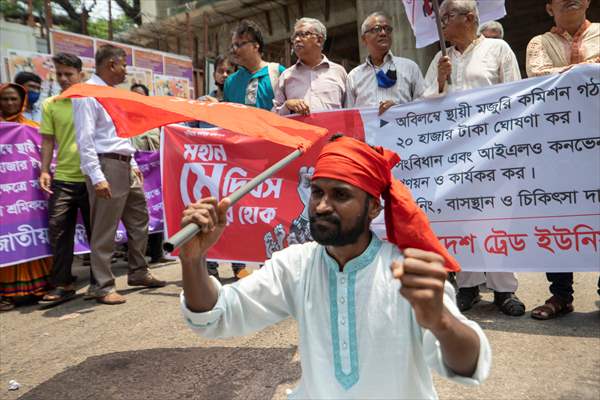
509	175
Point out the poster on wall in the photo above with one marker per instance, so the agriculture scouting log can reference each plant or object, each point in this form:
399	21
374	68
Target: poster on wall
137	75
63	42
148	59
38	63
181	67
165	85
143	65
42	65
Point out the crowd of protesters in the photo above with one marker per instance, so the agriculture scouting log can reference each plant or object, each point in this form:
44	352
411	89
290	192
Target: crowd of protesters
96	173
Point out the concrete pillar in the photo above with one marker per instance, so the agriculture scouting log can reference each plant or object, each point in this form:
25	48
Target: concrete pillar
404	39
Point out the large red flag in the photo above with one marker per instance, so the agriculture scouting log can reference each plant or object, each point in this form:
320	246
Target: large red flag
133	114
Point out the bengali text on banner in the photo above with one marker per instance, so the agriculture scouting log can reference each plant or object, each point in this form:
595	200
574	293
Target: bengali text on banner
508	175
24	206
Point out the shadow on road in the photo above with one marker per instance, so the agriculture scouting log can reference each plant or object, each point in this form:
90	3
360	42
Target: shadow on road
189	373
576	324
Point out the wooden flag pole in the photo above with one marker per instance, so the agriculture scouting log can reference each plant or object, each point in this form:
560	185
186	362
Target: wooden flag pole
191	230
438	22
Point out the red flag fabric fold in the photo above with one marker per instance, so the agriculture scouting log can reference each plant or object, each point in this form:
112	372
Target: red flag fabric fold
134	114
369	168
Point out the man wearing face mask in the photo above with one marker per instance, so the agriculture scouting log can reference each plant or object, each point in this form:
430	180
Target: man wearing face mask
114	182
383	80
33	83
314	83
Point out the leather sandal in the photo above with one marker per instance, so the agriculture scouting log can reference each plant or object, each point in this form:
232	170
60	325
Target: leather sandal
57	295
112	298
552	308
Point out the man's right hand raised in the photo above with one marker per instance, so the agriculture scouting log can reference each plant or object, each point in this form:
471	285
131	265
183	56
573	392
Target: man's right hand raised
211	216
103	190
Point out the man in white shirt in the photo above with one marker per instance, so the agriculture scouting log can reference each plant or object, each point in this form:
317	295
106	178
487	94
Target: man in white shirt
372	320
314	83
115	184
383	80
474	61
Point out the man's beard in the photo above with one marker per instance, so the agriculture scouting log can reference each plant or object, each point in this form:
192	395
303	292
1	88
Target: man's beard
220	85
334	235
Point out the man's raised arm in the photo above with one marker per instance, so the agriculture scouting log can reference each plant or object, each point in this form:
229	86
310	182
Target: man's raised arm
200	293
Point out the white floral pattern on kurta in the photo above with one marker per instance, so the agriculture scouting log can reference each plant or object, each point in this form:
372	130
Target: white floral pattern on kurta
358	336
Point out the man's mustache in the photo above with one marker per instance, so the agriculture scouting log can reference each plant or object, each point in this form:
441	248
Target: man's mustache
332	219
571	3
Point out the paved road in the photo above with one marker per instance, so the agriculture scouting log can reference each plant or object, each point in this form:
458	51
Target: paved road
143	350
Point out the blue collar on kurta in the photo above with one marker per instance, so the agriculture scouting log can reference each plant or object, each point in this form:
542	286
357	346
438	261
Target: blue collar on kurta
340	325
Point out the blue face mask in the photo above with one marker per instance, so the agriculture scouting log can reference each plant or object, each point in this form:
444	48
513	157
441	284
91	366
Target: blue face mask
386	80
32	97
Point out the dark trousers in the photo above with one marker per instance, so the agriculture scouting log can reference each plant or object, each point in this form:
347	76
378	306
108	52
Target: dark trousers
67	198
561	285
155	242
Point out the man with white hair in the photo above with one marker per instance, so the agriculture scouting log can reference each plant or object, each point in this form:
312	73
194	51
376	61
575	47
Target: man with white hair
492	30
383	80
314	83
488	62
474	61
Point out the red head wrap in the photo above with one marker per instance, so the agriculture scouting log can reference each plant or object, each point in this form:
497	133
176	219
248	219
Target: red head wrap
354	162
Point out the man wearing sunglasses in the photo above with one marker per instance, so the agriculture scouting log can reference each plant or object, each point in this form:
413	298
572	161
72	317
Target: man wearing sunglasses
314	83
254	82
383	80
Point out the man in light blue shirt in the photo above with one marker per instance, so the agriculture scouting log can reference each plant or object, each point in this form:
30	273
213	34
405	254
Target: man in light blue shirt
254	81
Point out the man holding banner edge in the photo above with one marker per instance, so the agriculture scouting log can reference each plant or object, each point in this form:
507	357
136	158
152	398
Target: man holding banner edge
474	61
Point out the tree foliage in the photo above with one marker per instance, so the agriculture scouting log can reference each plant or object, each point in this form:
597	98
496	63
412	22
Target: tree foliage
74	15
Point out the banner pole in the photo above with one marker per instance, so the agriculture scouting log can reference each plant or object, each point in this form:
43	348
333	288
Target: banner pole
191	230
438	22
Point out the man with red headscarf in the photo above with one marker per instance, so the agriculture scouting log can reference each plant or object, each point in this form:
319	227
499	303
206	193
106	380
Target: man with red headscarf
373	319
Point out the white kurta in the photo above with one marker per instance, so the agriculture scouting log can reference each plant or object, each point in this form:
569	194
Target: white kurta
359	338
484	62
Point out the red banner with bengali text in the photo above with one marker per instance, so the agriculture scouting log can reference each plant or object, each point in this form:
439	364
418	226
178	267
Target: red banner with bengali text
197	163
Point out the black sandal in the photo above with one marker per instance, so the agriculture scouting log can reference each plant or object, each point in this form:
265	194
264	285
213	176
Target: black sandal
6	305
509	304
467	297
57	295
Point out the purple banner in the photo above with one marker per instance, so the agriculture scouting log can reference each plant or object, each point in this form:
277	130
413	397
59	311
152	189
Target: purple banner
24	207
149	164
